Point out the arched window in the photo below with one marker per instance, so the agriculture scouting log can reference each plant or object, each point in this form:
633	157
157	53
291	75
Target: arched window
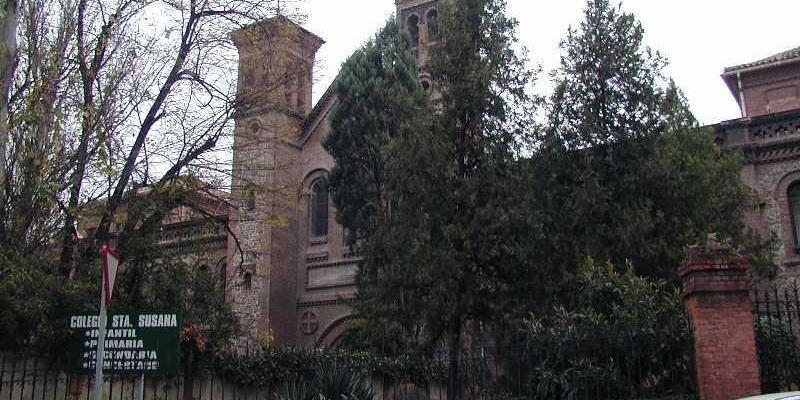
794	211
432	21
413	29
318	208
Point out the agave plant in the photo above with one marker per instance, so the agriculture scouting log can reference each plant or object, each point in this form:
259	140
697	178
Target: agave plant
336	382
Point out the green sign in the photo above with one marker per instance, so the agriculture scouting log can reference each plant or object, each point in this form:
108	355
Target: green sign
135	343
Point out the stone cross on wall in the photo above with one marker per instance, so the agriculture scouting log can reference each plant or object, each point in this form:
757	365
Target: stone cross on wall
309	322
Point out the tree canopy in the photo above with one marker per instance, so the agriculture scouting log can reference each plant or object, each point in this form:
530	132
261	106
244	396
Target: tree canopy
610	86
627	174
488	216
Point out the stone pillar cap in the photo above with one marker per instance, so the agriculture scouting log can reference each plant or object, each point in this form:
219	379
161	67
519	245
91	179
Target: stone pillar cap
714	267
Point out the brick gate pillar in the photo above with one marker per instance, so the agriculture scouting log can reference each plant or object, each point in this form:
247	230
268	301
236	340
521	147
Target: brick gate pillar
716	292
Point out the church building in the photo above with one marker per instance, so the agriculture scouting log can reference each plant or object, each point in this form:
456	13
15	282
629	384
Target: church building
290	271
292	274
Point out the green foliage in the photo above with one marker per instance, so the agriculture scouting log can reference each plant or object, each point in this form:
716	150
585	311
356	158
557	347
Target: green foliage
444	256
296	390
361	336
329	382
640	201
337	382
628	175
610	85
619	334
287	367
35	303
184	279
35	299
378	96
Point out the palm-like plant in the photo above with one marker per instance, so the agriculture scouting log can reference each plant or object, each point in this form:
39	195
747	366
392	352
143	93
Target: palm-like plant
337	382
330	382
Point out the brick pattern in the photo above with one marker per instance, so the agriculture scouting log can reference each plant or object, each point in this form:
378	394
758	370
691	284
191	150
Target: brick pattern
276	56
771	90
716	287
278	146
769	135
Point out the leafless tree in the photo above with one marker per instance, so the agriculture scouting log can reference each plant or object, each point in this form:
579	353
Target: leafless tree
113	95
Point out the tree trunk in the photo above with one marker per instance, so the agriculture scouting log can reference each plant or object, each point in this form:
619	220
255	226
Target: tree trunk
8	27
454	389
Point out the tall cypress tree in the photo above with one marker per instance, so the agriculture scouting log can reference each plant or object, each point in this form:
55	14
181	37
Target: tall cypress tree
443	261
378	95
610	85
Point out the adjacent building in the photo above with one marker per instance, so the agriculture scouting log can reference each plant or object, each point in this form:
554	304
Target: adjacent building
768	134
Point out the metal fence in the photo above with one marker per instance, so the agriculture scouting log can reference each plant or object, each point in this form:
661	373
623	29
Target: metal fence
605	365
28	378
776	312
617	365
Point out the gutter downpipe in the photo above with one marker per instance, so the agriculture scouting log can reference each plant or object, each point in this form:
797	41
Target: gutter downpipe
743	106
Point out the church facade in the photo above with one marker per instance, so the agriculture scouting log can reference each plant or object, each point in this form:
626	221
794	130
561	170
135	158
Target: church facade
291	274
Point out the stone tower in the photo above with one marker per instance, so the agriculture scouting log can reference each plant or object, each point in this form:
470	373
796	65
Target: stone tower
420	18
276	57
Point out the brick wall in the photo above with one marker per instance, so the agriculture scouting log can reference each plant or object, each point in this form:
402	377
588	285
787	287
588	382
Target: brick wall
771	90
716	287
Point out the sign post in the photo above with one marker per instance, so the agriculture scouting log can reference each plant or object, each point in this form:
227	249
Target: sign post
110	265
101	334
140	396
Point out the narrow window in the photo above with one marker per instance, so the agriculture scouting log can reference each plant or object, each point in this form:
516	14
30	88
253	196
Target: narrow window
254	127
301	100
794	211
250	199
222	274
247	281
319	208
413	29
290	90
432	20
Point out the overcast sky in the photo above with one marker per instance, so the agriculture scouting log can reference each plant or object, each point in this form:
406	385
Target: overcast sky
699	37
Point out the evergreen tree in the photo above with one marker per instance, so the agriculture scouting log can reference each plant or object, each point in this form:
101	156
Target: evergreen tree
629	176
444	260
378	94
610	85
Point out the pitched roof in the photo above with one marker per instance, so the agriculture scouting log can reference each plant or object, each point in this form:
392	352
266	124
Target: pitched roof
773	59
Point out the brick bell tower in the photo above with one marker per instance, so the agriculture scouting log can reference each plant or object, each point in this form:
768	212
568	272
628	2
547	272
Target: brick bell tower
276	58
420	18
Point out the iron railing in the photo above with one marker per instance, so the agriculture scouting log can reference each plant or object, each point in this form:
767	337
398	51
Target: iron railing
28	378
776	312
608	364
